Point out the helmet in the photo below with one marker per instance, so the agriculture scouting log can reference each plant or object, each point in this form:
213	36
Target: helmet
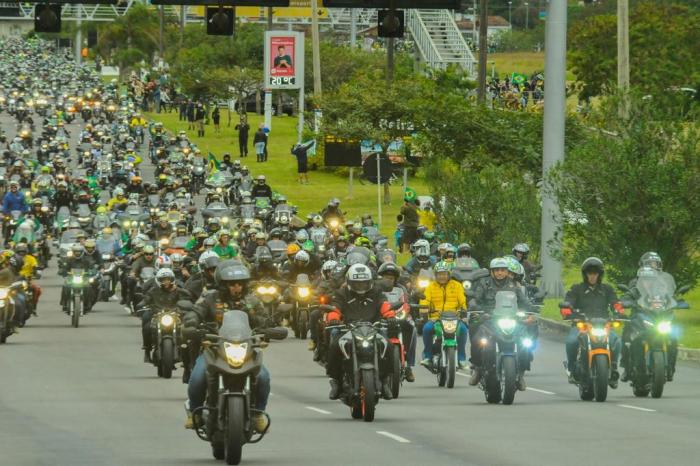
293	249
421	248
90	244
361	241
302	256
231	271
260	235
335	202
592	264
45	169
163	275
136	179
514	265
204	256
302	236
213	221
163	262
651	259
522	248
498	263
149	249
107	231
261	179
210	242
389	268
118	192
224	232
441	266
177	258
210	262
328	266
359	278
21	248
317	220
464	249
77	250
308	246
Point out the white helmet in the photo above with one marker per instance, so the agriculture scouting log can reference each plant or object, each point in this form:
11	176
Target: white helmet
302	256
359	278
164	274
204	256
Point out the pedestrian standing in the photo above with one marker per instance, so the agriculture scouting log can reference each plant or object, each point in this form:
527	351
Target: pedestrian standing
300	151
410	221
243	128
215	118
259	141
201	113
190	114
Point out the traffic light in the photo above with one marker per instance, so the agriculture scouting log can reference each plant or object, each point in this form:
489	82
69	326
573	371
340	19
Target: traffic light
268	3
219	21
391	24
47	18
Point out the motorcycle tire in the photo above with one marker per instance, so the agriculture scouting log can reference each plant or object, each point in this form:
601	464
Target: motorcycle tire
167	358
234	434
601	374
356	412
658	374
451	366
510	378
368	394
302	324
441	373
492	388
77	309
217	450
395	377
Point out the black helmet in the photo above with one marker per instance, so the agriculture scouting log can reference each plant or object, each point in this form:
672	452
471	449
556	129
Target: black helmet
231	271
389	268
464	249
595	264
522	248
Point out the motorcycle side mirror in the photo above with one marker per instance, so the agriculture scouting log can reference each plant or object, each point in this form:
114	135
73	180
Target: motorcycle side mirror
277	333
682	305
565	304
622	287
683	289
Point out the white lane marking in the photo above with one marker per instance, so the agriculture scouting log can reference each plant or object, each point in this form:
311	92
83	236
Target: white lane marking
638	408
462	375
321	411
393	436
544	392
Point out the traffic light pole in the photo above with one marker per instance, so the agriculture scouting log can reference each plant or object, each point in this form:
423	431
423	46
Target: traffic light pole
78	37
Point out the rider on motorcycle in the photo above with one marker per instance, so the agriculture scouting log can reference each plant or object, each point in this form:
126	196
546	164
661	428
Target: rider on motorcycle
14	200
77	260
593	298
421	258
232	280
357	300
224	249
119	201
261	188
204	279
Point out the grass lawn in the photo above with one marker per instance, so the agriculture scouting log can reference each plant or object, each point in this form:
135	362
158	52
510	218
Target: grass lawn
519	62
280	169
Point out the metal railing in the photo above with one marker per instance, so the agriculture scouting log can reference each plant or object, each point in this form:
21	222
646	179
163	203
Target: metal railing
424	42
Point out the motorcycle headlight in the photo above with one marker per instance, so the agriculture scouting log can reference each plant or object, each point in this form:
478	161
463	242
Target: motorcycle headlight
449	326
334	223
78	279
106	257
467	284
235	353
401	315
423	283
527	342
664	327
224	219
507	325
218	190
4	292
69	254
599	331
167	320
164	242
303	292
126	223
44	209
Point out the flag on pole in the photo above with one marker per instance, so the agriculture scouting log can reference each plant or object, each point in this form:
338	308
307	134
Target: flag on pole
213	163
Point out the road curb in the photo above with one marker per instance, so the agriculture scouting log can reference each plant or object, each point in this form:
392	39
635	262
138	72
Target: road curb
559	330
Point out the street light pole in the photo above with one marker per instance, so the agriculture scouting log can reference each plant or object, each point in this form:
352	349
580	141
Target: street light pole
510	17
527	15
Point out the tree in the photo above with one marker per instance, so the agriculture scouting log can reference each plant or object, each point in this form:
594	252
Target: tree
664	49
492	208
244	82
634	191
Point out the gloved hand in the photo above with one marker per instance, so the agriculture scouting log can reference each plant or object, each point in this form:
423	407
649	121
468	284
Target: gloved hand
566	312
619	309
334	322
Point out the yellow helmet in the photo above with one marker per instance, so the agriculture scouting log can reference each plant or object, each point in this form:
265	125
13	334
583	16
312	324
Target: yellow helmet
101	209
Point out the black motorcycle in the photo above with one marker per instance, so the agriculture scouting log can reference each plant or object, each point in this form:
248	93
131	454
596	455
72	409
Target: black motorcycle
234	359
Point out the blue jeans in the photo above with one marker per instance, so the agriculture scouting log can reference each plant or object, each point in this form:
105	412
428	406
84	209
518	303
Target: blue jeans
259	148
197	387
572	347
429	330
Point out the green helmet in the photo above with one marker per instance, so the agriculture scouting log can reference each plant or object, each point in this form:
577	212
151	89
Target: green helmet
441	266
308	246
513	264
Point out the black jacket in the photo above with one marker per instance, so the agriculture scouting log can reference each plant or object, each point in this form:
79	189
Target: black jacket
356	308
594	301
486	289
158	299
196	284
261	191
211	306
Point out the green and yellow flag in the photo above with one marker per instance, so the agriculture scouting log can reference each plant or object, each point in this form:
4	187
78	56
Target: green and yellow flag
213	163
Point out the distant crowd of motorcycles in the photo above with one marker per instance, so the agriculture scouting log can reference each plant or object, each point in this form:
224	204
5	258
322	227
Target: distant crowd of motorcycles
216	264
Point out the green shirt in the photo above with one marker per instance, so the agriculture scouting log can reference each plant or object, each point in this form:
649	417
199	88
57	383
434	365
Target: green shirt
225	252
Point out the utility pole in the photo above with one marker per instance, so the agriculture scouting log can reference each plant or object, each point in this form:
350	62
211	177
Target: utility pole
316	48
353	27
527	15
553	139
160	31
268	93
483	49
79	36
183	14
623	51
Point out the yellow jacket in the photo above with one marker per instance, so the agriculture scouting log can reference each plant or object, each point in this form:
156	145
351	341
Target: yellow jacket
427	218
28	267
439	298
112	203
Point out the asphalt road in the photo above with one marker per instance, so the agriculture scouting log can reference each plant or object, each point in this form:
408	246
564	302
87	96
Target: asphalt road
84	397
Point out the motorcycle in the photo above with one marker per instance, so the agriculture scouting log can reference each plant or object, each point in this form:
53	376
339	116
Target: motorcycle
109	270
362	345
301	299
651	330
7	309
505	349
594	357
166	326
444	361
268	292
78	283
234	359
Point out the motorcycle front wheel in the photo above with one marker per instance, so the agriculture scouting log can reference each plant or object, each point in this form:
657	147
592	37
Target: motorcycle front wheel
167	358
510	376
368	394
451	366
77	309
234	435
658	371
601	372
395	359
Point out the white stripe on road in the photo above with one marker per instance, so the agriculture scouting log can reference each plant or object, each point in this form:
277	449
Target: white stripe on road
638	408
393	436
544	392
463	375
320	411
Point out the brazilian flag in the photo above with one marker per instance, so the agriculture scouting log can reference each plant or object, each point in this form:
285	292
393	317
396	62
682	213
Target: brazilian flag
518	78
410	195
213	163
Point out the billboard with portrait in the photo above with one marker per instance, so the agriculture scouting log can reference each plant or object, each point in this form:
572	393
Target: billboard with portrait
284	60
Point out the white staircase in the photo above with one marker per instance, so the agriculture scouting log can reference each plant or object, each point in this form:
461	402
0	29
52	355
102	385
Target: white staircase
439	40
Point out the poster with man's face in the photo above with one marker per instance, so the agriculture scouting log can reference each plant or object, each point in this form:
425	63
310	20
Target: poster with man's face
282	56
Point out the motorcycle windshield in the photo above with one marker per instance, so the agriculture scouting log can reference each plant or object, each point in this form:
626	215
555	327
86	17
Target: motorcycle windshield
262	202
180	242
83	211
656	291
147	273
277	246
153	200
25	232
219	179
248	211
506	304
235	326
70	236
105	246
466	263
